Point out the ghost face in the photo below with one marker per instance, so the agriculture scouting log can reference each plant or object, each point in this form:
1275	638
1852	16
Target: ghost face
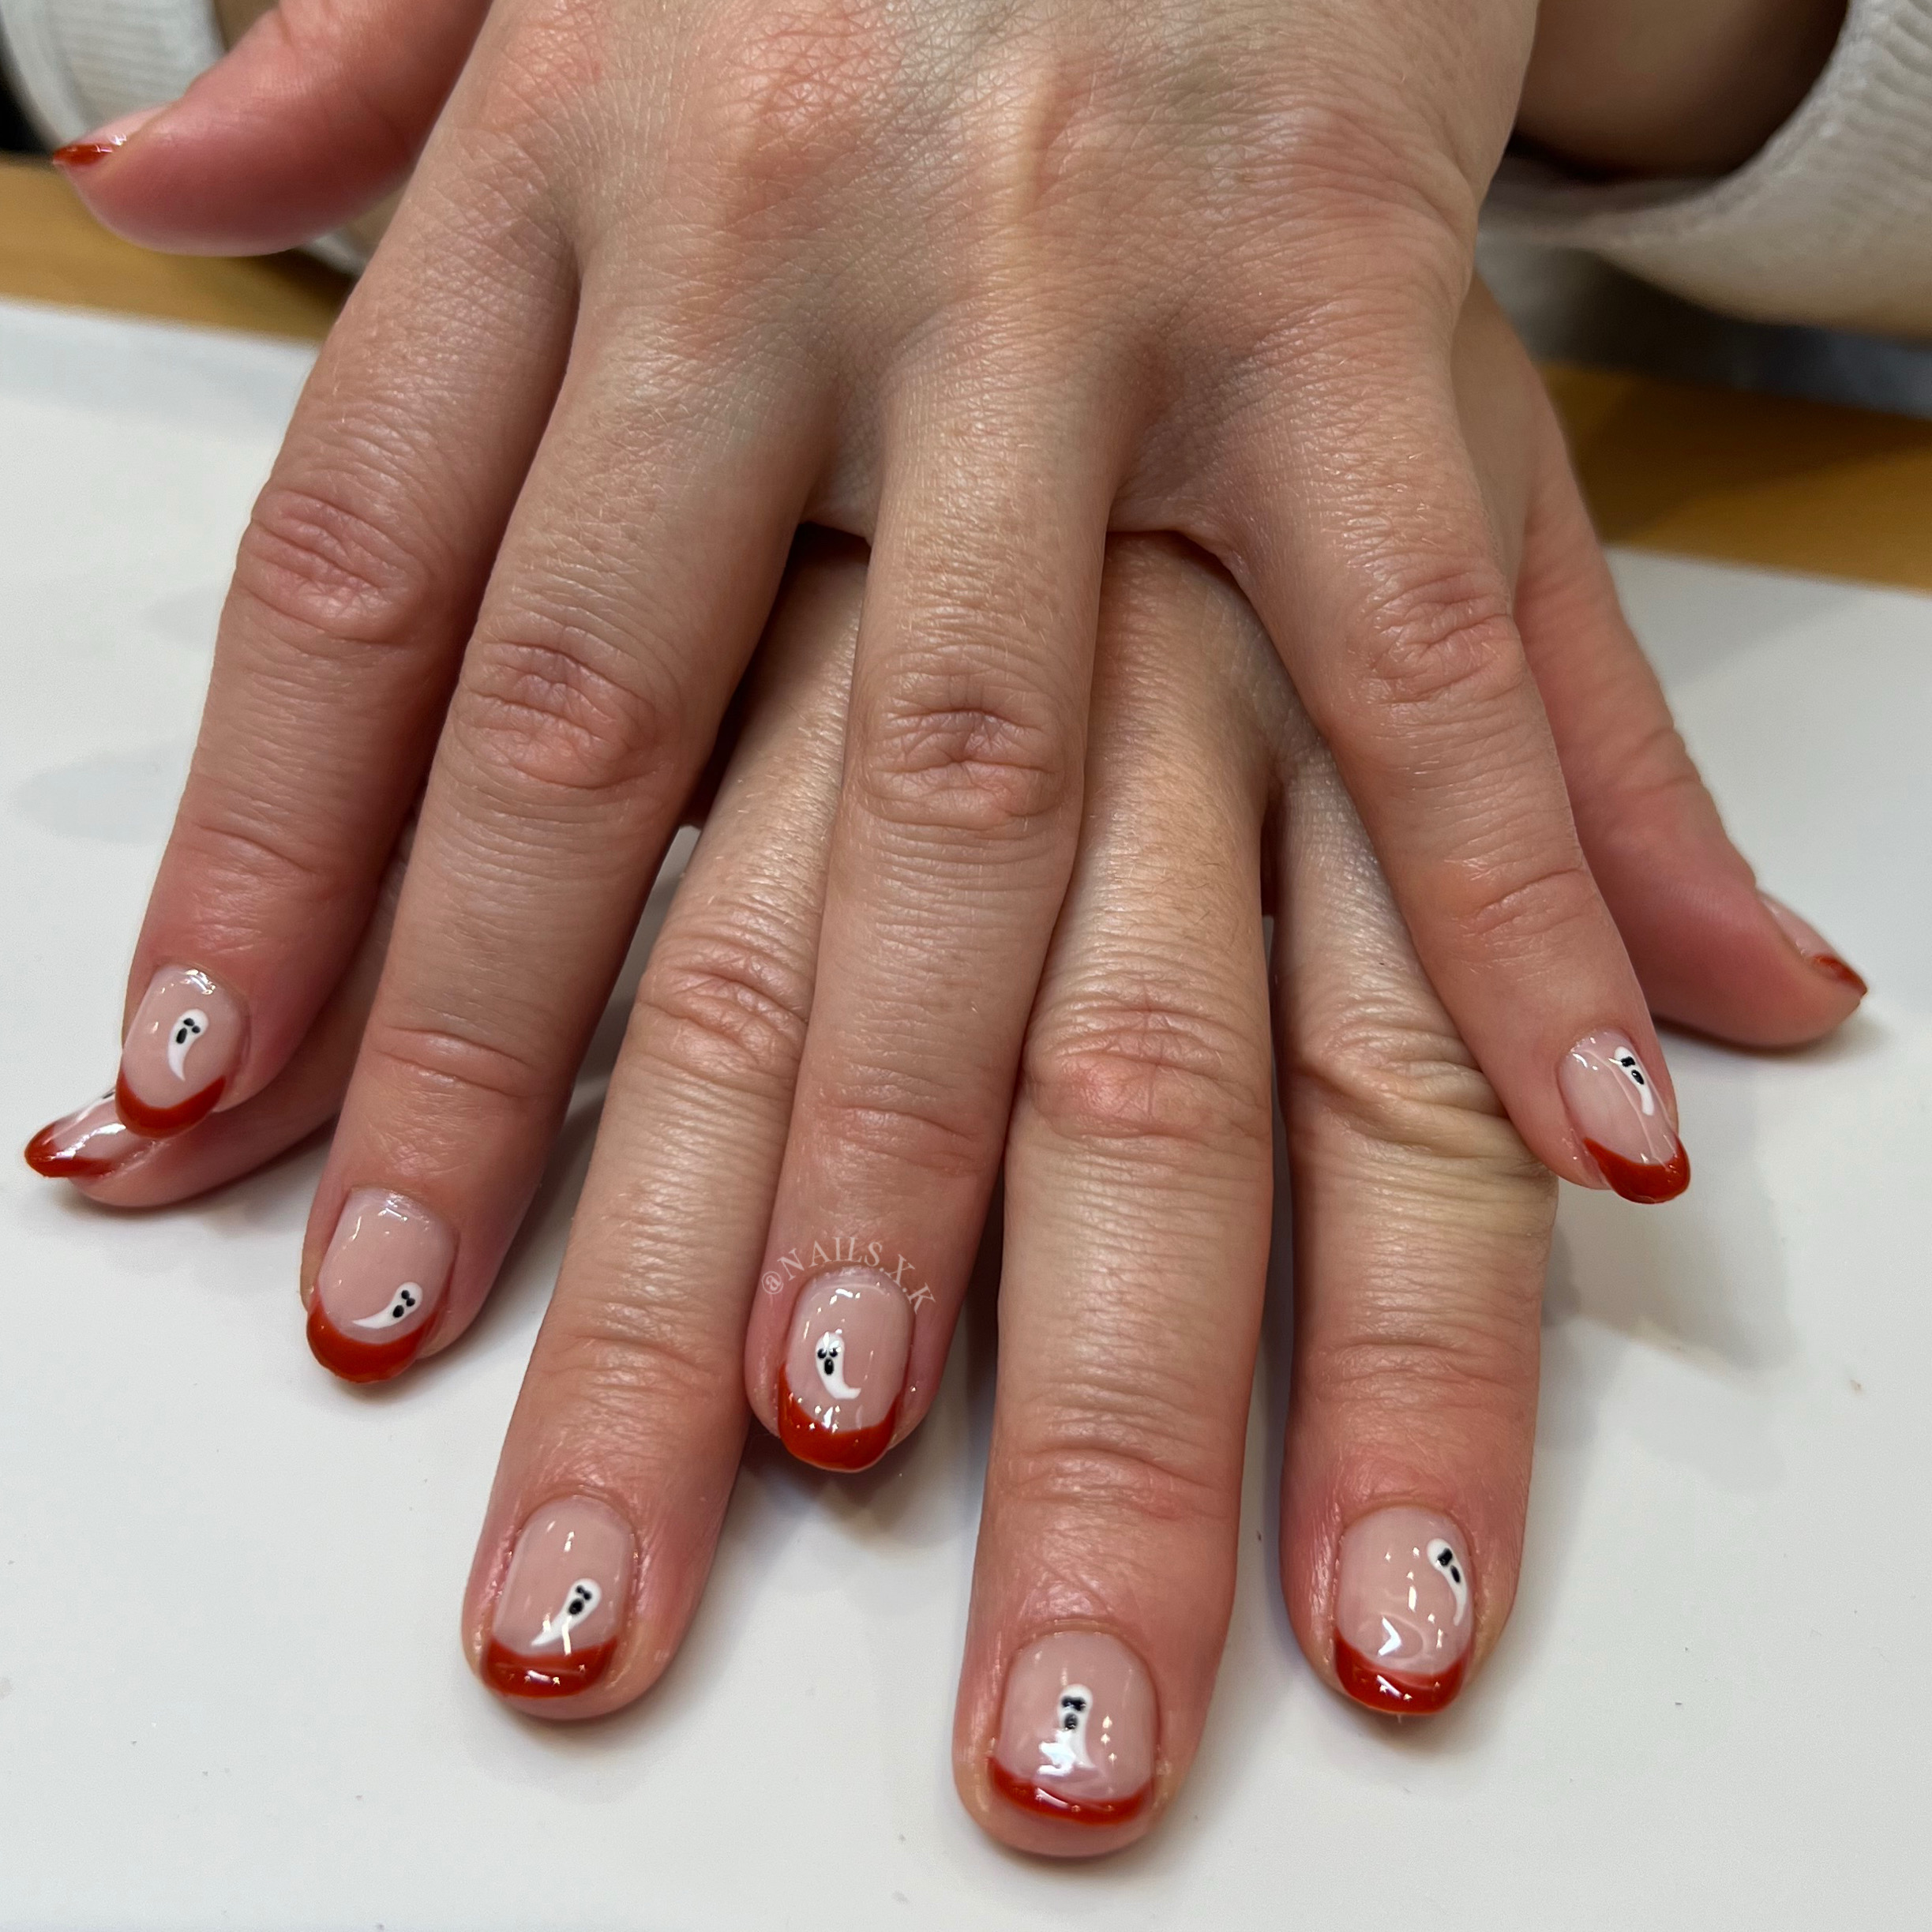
582	1598
403	1304
1066	1750
182	1036
829	1352
1449	1566
1632	1071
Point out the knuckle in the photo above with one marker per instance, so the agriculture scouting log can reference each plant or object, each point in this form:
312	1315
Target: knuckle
327	562
1412	1349
623	1340
887	1121
793	93
437	1064
248	876
955	763
1127	1451
1431	643
1514	912
1144	1066
1402	1082
553	706
728	1010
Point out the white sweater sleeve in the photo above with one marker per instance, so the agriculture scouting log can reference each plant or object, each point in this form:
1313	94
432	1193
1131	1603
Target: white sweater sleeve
1830	223
76	64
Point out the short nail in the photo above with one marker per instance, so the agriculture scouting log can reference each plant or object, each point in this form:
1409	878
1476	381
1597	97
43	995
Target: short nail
563	1604
381	1282
96	147
1815	948
1404	1611
839	1389
186	1042
1616	1108
1076	1730
87	1145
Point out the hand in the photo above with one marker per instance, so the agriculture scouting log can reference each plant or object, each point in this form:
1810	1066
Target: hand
973	283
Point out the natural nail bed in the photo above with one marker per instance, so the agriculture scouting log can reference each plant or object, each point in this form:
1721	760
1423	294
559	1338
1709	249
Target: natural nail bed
1404	1611
1613	1102
1076	1737
845	1368
180	1053
562	1607
381	1284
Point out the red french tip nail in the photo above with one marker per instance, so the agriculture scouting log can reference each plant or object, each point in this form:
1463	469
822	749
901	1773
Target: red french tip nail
85	154
87	1145
1646	1182
1832	967
1397	1693
160	1123
1051	1804
843	1450
361	1361
512	1675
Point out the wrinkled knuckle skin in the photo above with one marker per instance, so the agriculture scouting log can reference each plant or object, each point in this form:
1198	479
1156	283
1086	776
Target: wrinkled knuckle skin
886	1123
1511	916
435	1065
326	563
1439	644
552	707
729	1010
250	880
1147	1070
628	1341
971	770
1126	1457
1402	1084
793	96
1413	1352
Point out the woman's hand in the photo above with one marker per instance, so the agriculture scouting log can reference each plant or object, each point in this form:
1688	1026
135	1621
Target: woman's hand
973	281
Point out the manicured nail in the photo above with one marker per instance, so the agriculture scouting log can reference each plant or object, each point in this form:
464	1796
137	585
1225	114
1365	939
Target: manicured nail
381	1282
840	1388
562	1606
187	1040
1817	951
1404	1613
87	1145
1615	1106
103	141
1076	1731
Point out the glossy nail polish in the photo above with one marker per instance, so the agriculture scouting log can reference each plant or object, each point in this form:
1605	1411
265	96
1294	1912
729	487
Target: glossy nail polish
87	1145
176	1062
1616	1108
1404	1611
562	1607
381	1284
1077	1730
1815	948
96	147
839	1387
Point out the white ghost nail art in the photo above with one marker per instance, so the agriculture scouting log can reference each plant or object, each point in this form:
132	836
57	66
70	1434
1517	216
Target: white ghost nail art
1450	1565
1634	1070
403	1304
1066	1750
829	1351
186	1031
583	1598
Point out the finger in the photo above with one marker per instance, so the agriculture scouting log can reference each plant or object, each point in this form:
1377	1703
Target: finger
115	1167
1713	951
353	589
632	1415
962	787
1421	1233
1380	580
318	111
602	661
1137	1216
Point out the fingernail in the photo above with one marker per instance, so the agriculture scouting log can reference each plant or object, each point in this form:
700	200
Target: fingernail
562	1606
381	1282
840	1388
87	1145
103	141
1076	1730
1405	1613
1816	950
186	1041
1615	1106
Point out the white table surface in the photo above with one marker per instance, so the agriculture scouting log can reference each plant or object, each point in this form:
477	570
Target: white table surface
231	1693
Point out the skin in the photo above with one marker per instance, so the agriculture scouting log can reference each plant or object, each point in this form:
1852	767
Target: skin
1137	1159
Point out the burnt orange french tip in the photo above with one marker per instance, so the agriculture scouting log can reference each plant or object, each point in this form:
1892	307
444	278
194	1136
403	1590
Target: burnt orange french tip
84	154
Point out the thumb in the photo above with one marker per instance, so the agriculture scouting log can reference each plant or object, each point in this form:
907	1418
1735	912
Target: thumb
318	111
